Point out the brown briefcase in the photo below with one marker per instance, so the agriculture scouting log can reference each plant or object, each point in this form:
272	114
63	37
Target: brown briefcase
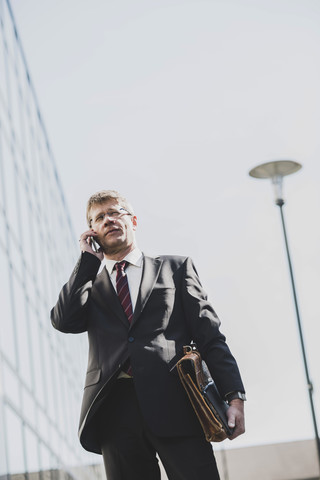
205	399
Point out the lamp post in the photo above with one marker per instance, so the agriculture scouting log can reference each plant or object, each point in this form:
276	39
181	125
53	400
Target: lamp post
275	171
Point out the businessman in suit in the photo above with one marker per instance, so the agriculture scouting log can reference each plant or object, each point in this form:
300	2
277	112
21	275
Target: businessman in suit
139	312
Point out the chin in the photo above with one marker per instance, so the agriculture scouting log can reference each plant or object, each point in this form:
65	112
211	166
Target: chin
111	246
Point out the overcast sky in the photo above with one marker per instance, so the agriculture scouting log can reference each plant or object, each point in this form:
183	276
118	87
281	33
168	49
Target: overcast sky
172	102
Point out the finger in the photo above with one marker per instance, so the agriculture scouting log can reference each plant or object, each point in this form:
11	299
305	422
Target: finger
231	418
239	429
232	421
85	242
86	235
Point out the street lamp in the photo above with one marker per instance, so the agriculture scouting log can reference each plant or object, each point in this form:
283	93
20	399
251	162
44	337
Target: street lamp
276	171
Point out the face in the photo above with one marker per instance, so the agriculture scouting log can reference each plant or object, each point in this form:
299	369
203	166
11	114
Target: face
114	226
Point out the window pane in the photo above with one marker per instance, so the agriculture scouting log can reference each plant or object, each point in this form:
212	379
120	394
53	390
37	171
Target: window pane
3	92
32	451
10	186
11	385
14	107
45	458
25	224
29	407
22	332
14	441
37	361
6	319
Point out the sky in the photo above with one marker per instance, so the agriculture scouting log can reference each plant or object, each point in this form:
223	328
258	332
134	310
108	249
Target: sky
171	103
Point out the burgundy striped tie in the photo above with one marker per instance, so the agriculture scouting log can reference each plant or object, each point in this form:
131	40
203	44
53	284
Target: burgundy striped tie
123	288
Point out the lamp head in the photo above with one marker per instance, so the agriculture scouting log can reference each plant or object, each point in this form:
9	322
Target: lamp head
276	170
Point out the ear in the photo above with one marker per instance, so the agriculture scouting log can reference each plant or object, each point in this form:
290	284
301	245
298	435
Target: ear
134	222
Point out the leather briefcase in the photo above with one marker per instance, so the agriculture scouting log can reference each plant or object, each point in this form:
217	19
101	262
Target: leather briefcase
205	399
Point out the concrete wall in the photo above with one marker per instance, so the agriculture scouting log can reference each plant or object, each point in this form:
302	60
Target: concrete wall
282	461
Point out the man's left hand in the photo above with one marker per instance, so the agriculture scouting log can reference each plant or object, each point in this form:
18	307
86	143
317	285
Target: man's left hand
235	415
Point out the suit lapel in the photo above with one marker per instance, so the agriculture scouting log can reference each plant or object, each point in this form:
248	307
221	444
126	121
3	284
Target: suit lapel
150	272
106	297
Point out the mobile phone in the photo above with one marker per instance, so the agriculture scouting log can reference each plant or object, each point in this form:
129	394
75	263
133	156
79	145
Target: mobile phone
95	245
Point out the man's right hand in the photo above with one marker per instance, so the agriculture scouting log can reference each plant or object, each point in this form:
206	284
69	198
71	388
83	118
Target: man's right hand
86	244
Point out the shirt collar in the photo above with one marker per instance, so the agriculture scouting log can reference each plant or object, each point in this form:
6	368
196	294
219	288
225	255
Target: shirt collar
134	258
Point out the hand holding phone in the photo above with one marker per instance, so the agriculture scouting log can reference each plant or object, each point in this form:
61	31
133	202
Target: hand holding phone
88	243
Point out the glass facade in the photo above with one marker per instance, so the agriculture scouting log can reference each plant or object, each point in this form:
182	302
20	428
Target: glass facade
41	370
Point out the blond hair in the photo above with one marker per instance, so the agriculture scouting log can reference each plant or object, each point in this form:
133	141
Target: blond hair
104	196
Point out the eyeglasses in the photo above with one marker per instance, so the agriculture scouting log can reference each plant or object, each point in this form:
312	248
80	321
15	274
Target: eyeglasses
111	214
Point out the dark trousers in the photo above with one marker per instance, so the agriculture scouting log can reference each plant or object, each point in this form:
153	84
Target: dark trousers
129	448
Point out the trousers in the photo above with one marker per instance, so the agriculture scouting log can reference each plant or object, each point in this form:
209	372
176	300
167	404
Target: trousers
130	449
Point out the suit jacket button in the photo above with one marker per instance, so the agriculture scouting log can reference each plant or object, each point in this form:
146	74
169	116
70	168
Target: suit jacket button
131	339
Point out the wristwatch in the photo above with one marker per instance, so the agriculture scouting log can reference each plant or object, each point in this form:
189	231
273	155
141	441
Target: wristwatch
232	395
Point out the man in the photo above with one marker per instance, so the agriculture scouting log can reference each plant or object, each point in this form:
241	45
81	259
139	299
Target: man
139	312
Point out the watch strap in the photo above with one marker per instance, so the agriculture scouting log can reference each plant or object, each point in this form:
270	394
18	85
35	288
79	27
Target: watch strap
233	395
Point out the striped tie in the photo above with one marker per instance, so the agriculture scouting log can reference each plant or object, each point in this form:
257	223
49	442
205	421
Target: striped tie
123	288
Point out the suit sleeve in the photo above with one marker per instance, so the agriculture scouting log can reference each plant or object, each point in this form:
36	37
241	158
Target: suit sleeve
69	315
204	328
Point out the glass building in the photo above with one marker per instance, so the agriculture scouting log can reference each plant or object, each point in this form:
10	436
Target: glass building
41	370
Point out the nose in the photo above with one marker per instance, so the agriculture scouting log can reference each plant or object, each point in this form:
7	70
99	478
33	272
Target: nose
107	219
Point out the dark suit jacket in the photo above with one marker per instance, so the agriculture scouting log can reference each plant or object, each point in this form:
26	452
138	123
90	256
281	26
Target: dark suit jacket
171	310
